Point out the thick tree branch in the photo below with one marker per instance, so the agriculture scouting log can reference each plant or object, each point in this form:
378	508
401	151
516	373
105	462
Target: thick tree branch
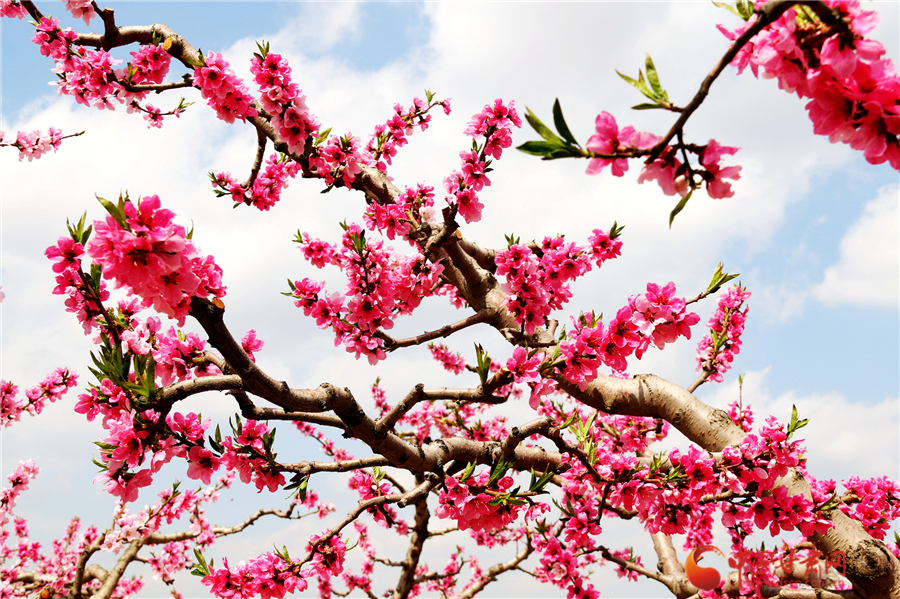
417	537
875	571
112	578
167	396
248	410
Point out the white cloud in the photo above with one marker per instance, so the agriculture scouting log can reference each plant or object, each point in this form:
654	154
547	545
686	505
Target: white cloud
778	303
868	270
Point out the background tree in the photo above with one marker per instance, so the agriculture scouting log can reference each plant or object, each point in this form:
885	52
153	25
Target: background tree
494	177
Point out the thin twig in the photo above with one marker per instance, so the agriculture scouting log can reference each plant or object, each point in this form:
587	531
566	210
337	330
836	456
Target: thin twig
445	331
767	14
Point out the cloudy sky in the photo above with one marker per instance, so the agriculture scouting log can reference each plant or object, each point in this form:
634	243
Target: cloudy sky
812	228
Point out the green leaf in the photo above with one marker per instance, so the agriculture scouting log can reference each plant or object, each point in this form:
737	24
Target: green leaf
647	106
484	363
680	207
560	123
570	420
653	78
202	568
216	443
563	510
538	483
719	278
729	8
615	231
77	232
638	84
498	471
200	62
323	136
541	128
537	148
429	96
795	423
117	212
470	468
301	484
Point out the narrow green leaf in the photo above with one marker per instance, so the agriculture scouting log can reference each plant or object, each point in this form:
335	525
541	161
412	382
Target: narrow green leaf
653	77
572	417
796	423
470	468
616	230
562	509
202	568
322	136
560	123
117	213
647	106
498	471
729	8
537	148
539	485
680	207
719	278
541	128
638	84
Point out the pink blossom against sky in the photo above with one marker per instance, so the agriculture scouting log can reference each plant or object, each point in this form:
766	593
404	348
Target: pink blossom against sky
812	228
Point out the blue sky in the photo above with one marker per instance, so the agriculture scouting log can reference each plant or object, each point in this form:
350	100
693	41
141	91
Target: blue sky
812	229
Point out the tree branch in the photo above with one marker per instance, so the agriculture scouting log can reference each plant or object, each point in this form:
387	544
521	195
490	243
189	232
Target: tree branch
445	331
112	579
308	468
417	537
167	396
766	15
249	410
876	570
497	569
261	139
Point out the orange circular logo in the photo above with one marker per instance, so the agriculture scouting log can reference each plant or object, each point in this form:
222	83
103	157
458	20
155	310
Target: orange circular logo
705	579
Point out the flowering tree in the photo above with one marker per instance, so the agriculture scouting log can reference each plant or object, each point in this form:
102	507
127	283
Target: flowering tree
540	489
